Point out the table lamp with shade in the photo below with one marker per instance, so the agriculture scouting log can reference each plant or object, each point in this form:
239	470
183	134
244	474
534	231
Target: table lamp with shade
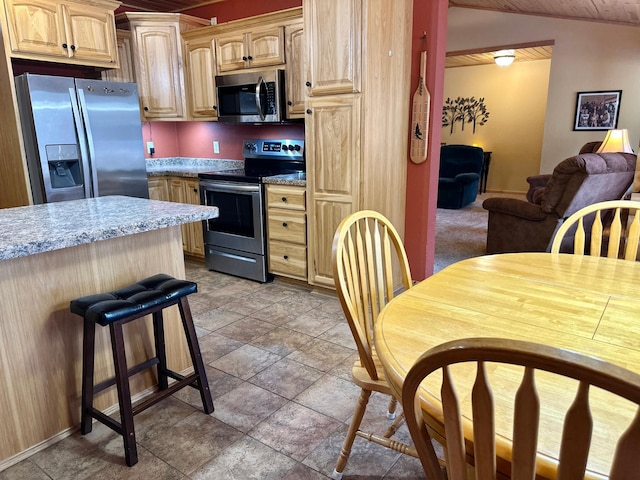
617	140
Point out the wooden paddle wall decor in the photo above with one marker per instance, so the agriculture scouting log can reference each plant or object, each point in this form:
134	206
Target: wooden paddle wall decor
420	115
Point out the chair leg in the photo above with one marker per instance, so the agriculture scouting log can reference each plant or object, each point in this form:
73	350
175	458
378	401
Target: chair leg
196	356
88	348
124	394
356	420
158	335
391	409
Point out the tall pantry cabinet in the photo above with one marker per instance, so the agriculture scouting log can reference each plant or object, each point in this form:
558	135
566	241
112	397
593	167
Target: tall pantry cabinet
357	116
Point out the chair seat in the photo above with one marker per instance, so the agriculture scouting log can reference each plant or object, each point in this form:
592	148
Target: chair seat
137	299
362	378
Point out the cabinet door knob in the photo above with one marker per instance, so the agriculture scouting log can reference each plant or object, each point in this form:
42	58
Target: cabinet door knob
284	224
289	102
215	107
308	84
73	47
250	57
146	109
286	257
244	58
309	112
284	199
195	190
64	45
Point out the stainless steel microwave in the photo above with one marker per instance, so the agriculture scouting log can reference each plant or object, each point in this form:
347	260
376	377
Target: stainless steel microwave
251	97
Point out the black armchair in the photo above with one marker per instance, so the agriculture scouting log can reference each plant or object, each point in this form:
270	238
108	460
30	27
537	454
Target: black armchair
460	168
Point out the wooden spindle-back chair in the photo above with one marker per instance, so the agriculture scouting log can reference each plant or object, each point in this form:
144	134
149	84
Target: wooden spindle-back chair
367	250
614	233
577	431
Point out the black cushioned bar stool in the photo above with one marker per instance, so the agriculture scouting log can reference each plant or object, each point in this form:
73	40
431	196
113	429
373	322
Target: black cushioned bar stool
114	309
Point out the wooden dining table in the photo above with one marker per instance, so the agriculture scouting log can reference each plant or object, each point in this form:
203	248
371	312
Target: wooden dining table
581	303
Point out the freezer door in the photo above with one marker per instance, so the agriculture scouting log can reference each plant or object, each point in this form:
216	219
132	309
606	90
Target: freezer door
53	146
111	115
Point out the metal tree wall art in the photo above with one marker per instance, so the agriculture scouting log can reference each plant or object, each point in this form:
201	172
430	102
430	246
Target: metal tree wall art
464	110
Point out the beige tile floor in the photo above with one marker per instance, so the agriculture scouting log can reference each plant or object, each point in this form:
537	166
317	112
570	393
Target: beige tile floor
278	362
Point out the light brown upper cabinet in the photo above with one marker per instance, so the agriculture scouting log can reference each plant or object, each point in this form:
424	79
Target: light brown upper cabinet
295	69
258	48
125	73
157	58
69	31
336	27
200	78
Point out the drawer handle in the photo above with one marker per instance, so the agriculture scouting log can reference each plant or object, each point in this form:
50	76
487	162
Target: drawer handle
286	257
284	224
284	199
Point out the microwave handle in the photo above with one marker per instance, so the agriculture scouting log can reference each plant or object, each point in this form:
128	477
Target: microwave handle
259	87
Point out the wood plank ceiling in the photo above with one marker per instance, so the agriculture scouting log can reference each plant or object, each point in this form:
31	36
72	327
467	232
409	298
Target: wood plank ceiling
172	6
626	12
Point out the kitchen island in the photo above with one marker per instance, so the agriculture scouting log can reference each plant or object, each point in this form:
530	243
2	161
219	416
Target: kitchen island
51	254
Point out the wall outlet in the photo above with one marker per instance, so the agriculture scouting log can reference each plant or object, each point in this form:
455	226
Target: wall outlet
216	147
150	148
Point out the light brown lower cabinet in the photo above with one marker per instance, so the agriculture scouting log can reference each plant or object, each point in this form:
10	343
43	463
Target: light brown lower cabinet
287	231
181	190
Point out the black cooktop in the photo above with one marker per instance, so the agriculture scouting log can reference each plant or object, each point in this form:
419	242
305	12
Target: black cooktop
264	158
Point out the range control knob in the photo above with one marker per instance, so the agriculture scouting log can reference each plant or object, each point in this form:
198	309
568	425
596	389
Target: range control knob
250	146
296	148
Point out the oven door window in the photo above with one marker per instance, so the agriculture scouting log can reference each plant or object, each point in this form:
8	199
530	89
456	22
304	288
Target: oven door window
236	213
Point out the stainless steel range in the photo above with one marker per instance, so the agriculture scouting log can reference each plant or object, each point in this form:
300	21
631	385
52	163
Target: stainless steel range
235	242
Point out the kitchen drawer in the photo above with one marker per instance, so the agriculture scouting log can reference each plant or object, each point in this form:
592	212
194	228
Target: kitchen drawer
291	198
287	259
287	226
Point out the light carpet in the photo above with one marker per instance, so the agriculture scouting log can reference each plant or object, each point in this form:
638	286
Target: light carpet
462	233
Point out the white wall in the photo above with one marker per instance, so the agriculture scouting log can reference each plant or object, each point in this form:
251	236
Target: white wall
516	99
587	56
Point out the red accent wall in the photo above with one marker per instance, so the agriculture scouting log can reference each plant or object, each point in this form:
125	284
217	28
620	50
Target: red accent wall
195	139
235	10
429	16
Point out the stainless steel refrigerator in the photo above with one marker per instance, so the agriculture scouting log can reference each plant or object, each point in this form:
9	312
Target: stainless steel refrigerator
83	138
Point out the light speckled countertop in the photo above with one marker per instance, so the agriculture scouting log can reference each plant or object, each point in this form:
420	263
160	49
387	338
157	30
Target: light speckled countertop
298	179
52	226
188	167
191	167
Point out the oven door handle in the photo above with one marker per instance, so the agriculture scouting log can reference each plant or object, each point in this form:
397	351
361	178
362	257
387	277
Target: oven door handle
259	87
230	187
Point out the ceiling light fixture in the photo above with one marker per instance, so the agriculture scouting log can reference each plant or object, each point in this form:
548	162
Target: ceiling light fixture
504	58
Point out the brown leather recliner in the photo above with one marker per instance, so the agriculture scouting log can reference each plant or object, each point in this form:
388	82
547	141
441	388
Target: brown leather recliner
538	182
522	226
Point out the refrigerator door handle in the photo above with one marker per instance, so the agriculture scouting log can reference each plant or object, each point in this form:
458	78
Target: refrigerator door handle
86	166
87	127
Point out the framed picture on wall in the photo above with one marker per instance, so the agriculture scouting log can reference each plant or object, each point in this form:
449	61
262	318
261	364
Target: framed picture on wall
597	110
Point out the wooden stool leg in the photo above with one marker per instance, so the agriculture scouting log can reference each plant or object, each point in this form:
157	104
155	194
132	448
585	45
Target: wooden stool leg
158	335
88	348
196	356
124	394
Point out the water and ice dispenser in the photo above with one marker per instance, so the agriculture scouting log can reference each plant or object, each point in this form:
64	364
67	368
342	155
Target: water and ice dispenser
64	166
